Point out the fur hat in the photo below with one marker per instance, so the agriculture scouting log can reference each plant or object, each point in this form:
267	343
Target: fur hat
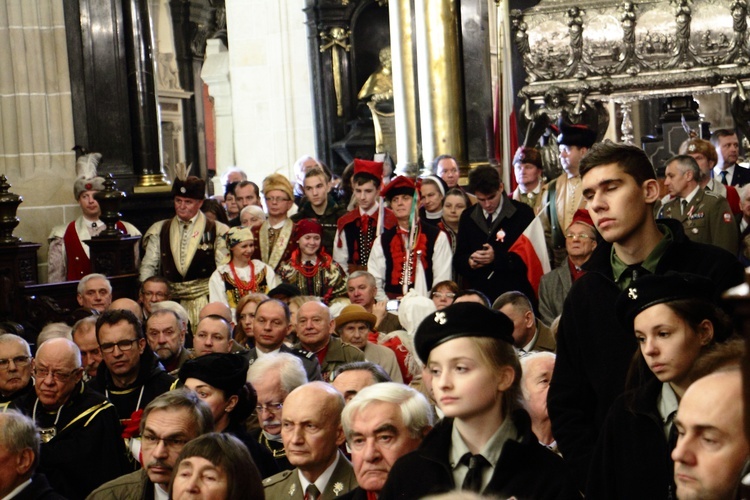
277	182
192	187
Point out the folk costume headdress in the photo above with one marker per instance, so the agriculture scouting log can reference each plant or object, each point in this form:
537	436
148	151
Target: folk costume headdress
86	176
187	186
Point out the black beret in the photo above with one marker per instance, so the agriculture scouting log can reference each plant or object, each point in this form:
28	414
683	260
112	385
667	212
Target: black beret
465	319
224	371
652	289
286	290
576	135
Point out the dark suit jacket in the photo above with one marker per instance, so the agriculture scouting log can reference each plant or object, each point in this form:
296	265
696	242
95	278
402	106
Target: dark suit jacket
741	176
39	489
507	272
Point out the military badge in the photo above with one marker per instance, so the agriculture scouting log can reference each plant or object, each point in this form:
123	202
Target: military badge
292	489
338	488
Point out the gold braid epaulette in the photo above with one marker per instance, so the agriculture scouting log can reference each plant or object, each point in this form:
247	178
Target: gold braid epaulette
93	411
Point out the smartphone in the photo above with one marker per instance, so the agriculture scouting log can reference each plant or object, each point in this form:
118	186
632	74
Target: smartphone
392	305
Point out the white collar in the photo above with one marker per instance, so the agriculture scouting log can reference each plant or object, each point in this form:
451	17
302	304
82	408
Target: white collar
372	211
322	480
496	212
528	347
159	493
261	353
17	490
692	194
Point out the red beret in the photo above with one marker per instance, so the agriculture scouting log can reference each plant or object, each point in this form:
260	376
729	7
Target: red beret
399	185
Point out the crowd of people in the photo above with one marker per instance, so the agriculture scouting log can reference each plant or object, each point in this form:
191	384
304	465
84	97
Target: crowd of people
391	338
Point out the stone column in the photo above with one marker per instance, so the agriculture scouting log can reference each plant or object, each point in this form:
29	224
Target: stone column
404	87
144	111
215	74
439	69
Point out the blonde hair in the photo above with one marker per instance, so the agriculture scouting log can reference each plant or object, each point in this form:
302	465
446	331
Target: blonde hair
497	354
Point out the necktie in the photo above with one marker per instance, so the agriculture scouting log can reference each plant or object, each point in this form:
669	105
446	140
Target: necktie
311	492
684	206
473	479
723	175
636	271
672	439
489	220
364	223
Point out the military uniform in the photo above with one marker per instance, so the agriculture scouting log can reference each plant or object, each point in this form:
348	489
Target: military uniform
286	484
707	218
338	353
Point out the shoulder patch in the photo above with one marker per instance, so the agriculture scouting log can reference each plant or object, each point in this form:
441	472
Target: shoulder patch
277	478
304	353
711	193
728	217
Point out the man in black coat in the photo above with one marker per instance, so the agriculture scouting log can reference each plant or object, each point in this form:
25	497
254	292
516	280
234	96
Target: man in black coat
487	231
593	349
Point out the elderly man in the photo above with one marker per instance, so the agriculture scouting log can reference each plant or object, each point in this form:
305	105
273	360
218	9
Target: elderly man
712	447
314	330
19	456
312	433
273	377
81	444
186	248
131	375
69	256
84	335
382	423
351	378
536	373
15	368
529	334
705	216
361	288
154	290
168	423
94	292
271	325
580	242
165	334
355	326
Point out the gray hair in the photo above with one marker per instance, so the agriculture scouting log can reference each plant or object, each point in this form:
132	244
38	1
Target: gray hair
174	307
515	298
289	367
73	351
686	163
253	210
363	274
416	412
17	433
89	277
54	331
525	360
89	322
186	400
7	338
166	311
379	375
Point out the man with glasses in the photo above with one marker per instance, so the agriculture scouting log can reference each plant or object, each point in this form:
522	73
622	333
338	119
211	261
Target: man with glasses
131	375
580	242
168	423
274	376
488	230
274	238
15	368
271	325
154	290
80	432
186	248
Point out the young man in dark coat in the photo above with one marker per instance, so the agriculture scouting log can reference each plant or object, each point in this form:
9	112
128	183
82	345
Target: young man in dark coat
488	230
593	349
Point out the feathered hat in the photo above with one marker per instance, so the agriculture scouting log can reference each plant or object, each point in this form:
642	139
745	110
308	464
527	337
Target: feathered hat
187	186
86	176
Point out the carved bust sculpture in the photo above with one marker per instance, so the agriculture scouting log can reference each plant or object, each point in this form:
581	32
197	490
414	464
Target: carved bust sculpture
379	85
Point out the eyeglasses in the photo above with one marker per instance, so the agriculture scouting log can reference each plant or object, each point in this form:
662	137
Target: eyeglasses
123	345
446	295
270	407
276	199
582	237
18	361
149	440
158	295
42	373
